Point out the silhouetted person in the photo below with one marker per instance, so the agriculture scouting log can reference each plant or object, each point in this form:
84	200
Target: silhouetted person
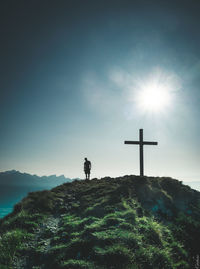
87	168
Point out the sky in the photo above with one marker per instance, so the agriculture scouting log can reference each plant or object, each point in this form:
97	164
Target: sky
80	77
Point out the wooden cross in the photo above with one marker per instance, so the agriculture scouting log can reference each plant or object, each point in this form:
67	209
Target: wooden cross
141	143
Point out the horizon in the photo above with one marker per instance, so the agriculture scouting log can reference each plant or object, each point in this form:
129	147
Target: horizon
60	175
78	79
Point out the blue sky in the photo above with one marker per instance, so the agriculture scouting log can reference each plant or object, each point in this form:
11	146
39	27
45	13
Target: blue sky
71	73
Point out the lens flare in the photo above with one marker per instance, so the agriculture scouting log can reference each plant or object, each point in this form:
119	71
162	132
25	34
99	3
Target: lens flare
155	94
154	98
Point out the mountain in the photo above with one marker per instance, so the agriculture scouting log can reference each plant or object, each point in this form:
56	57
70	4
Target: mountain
15	185
16	178
112	223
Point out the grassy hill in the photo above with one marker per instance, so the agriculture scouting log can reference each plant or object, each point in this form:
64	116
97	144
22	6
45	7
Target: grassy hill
128	222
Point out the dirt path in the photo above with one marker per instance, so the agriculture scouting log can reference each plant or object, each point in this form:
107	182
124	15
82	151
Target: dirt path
41	240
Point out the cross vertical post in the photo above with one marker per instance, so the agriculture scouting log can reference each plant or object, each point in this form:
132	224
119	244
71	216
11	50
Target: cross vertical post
141	143
141	154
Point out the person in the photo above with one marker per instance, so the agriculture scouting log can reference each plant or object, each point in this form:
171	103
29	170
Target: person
87	168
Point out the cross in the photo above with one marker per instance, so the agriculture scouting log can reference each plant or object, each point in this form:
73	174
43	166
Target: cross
141	143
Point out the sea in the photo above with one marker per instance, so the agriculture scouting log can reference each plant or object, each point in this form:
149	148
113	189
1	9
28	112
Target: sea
10	195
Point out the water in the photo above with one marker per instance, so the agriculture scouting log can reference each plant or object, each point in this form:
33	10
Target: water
10	195
5	211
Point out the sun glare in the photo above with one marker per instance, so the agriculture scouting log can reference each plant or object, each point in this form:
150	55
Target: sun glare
154	98
155	95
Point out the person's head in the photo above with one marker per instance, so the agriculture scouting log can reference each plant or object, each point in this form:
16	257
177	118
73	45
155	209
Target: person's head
85	159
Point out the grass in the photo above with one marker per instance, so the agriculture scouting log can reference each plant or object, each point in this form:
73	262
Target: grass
116	254
10	243
121	238
23	220
78	264
108	224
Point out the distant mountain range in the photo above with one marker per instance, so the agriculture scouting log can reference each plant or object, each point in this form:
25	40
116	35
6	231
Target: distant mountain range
15	185
16	178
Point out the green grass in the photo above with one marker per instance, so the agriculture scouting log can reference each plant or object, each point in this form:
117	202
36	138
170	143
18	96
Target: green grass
10	243
77	264
105	224
23	220
120	236
117	255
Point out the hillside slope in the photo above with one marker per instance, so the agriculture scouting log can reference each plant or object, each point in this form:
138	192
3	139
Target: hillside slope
126	222
15	185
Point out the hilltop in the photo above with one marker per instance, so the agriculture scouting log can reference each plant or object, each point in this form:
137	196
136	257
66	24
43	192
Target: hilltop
126	222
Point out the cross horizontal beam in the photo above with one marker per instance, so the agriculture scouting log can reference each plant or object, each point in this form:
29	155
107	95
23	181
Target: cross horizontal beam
141	143
138	142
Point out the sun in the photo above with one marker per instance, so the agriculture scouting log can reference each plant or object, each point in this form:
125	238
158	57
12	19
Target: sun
154	98
154	95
